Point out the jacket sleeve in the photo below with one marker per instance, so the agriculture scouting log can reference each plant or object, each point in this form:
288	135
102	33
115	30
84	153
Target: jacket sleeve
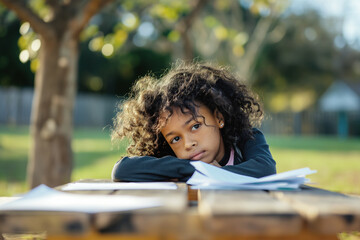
147	169
257	162
257	159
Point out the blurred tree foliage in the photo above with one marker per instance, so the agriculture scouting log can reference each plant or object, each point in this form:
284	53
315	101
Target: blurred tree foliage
297	56
116	75
294	70
130	38
13	72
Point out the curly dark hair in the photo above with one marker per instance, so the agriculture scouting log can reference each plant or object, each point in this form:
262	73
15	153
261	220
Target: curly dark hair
183	87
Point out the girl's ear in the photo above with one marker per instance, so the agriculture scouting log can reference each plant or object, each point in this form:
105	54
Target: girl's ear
219	118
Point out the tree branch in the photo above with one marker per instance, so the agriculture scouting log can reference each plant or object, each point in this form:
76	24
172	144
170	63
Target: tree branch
189	19
53	3
26	14
247	64
184	27
85	10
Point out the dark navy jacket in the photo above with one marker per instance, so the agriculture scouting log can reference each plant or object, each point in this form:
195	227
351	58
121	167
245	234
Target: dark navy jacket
252	159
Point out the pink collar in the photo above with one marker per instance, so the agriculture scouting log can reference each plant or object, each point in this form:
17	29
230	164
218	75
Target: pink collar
231	159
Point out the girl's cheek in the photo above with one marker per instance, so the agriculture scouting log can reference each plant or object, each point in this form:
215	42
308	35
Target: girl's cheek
175	150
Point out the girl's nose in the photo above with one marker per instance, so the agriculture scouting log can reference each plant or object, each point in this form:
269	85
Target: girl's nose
190	143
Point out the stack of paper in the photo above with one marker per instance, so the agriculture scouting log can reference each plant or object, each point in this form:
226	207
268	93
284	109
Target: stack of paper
81	186
207	176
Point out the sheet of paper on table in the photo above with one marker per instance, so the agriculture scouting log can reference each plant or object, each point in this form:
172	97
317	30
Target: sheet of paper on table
44	198
78	186
207	176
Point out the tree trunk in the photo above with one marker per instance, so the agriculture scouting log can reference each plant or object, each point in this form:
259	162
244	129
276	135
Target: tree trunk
51	158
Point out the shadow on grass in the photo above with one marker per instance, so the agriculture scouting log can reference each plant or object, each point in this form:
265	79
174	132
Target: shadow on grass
13	170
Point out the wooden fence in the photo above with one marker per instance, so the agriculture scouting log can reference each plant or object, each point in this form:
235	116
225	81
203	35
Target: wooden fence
90	109
313	122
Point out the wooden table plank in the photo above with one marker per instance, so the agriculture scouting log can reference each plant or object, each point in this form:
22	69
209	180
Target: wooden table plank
247	213
52	222
325	212
17	222
165	220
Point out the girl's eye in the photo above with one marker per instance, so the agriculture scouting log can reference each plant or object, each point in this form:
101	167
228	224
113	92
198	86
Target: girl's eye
196	126
175	140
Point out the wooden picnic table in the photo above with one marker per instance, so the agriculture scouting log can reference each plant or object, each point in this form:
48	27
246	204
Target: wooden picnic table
310	213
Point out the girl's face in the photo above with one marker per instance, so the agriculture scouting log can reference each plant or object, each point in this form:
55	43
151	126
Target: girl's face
195	139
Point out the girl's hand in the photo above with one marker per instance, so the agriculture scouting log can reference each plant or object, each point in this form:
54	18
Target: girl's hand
215	163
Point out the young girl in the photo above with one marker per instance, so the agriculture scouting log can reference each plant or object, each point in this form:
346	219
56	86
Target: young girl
193	113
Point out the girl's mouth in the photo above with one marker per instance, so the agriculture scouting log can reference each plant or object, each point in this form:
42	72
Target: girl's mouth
197	156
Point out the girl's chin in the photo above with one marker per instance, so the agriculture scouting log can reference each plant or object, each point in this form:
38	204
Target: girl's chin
206	161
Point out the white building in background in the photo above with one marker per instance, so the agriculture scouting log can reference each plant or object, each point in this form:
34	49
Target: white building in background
344	98
341	97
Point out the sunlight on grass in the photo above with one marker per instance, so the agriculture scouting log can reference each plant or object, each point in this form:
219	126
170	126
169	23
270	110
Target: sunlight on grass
349	236
8	188
100	169
95	158
336	171
337	161
14	146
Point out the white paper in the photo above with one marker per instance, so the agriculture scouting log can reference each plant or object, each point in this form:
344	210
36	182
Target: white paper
207	176
270	187
43	198
289	174
223	175
119	186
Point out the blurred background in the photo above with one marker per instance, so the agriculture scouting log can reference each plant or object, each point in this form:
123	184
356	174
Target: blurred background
301	57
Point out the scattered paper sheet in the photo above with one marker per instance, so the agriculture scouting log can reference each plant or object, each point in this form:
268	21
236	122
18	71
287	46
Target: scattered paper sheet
44	198
207	176
119	186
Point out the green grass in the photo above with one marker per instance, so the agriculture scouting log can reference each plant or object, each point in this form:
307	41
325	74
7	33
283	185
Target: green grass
94	156
337	161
